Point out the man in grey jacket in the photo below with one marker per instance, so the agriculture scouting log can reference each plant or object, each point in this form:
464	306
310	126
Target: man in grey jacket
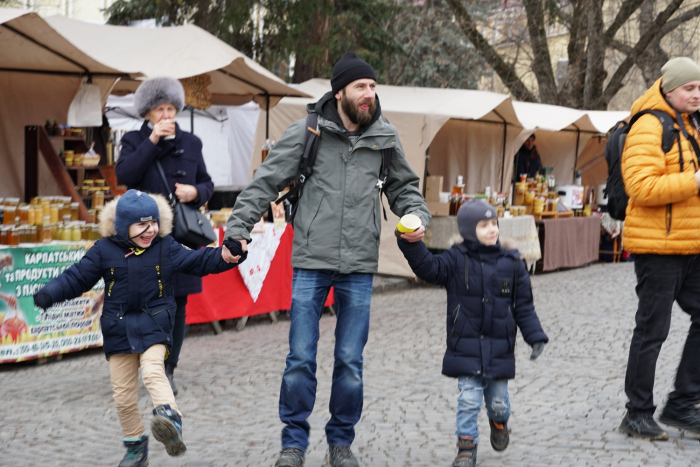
336	244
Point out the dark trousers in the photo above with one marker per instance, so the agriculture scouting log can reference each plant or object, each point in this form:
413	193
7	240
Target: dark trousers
661	280
178	331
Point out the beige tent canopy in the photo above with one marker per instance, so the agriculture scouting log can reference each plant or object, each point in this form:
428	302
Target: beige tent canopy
40	73
463	128
179	52
562	134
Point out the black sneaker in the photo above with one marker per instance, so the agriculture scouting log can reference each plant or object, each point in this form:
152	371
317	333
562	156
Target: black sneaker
341	456
166	426
136	453
684	419
642	426
500	435
290	457
466	457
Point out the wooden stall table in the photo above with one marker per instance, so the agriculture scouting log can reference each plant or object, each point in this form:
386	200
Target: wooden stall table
521	231
568	242
267	287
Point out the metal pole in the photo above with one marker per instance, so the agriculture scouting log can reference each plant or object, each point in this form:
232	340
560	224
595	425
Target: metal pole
503	162
578	137
267	116
192	120
425	171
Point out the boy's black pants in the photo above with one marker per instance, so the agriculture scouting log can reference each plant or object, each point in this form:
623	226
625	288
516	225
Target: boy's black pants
661	279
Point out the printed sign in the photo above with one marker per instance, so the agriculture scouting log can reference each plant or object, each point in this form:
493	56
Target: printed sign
27	332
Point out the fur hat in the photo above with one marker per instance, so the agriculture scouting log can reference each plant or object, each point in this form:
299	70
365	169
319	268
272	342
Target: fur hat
470	214
156	91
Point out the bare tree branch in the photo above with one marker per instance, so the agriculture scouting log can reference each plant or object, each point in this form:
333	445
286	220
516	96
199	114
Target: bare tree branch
680	19
572	91
505	71
542	63
623	14
595	53
616	82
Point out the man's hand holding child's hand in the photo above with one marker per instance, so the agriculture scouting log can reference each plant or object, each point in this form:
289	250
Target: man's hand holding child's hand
233	250
537	349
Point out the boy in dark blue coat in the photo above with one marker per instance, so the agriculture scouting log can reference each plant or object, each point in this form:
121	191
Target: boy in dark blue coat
488	295
137	260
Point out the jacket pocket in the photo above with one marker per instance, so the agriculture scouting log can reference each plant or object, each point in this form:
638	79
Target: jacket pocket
454	332
313	214
377	220
162	317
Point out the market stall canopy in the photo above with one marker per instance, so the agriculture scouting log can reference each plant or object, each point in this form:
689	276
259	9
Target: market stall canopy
40	74
561	134
461	127
180	52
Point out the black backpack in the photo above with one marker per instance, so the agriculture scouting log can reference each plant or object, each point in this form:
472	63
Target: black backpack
615	186
306	166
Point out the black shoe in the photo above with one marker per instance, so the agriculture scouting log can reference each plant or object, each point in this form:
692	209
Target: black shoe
642	426
466	457
136	453
169	370
500	435
684	419
341	456
291	457
166	426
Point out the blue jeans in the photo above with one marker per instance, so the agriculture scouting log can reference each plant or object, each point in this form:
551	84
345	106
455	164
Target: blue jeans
472	389
353	296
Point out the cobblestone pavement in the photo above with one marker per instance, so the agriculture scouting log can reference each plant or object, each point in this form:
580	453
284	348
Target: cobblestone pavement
566	406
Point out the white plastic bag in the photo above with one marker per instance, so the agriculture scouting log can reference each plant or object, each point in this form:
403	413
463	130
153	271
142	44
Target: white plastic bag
86	108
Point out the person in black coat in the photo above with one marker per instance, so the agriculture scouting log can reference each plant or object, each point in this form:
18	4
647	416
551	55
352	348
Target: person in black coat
137	260
488	298
160	139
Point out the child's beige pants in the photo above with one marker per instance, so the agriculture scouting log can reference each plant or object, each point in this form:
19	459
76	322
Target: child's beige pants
124	373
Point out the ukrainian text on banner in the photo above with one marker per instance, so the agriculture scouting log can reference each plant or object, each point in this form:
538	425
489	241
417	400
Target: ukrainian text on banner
27	332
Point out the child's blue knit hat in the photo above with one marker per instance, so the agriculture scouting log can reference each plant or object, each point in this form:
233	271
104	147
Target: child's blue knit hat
134	206
470	214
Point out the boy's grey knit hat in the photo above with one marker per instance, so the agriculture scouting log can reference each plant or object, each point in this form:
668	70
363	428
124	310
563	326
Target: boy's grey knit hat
470	214
156	91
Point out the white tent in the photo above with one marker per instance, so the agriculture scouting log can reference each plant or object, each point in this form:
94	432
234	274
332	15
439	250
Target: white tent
179	52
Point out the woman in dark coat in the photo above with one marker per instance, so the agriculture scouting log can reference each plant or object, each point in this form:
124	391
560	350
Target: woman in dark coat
158	100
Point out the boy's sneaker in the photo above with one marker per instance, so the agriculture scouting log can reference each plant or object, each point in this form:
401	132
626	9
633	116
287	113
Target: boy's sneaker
466	457
341	456
684	419
642	426
500	435
290	457
166	426
136	452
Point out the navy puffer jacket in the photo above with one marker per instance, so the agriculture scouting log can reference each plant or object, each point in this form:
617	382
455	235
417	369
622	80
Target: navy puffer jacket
182	162
137	312
481	319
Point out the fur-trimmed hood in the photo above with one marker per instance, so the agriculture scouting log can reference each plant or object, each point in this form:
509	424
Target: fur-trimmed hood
109	212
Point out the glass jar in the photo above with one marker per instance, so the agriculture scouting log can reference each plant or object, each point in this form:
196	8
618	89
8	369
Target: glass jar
98	198
46	235
85	232
66	234
76	233
11	201
74	211
33	234
3	235
55	212
9	215
13	236
92	214
95	232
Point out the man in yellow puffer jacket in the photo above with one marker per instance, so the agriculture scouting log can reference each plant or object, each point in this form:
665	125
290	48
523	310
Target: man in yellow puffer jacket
662	230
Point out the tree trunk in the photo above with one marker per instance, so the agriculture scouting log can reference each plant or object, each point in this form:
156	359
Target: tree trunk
312	62
651	62
595	54
572	91
542	62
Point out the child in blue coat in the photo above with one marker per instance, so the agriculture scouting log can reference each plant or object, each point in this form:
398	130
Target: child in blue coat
137	259
488	295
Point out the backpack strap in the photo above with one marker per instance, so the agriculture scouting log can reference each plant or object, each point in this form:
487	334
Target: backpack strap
383	174
692	140
308	158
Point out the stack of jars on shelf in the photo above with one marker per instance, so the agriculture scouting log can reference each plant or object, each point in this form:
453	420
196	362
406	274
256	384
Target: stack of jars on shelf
93	192
536	194
45	219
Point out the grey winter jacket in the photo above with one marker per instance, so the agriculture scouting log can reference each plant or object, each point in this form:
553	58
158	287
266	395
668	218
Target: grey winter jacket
338	222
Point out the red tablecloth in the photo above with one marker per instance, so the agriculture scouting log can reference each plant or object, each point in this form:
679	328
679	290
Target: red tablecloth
225	296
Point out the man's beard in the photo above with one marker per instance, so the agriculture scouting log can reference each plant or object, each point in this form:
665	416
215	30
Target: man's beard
352	110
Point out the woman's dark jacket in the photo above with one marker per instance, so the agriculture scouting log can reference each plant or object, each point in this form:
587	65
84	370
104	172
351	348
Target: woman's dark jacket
137	313
182	162
481	318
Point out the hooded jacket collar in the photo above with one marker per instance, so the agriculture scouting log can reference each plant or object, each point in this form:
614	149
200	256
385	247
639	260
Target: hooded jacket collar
327	107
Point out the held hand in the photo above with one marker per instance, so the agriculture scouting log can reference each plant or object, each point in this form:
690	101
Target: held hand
160	129
42	300
228	257
186	193
416	236
537	349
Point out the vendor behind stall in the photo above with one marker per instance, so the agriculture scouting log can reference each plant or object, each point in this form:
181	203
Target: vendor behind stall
527	160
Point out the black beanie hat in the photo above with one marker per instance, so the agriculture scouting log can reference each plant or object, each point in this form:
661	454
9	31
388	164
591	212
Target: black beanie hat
470	214
348	69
